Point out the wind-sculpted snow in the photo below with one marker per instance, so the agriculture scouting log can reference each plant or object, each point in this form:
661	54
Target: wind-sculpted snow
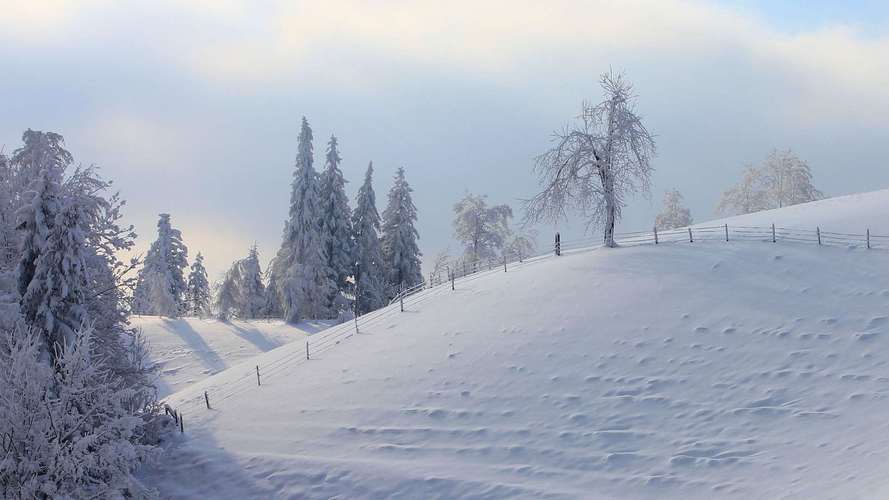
706	370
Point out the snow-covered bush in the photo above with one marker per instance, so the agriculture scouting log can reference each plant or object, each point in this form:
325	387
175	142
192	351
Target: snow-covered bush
70	430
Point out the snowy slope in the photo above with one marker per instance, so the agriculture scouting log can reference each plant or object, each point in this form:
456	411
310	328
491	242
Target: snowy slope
188	350
706	370
853	213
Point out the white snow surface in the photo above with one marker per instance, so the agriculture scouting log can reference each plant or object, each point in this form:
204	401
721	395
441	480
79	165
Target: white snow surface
709	370
188	350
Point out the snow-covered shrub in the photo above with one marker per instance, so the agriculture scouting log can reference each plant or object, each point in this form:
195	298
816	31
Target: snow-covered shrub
69	430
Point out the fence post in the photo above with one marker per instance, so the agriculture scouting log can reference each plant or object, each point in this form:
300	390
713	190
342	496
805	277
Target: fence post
558	245
451	277
818	232
307	349
655	235
181	425
207	400
868	238
726	232
401	297
690	238
504	262
773	233
258	381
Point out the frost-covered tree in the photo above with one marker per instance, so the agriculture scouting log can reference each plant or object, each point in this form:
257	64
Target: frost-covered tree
782	180
674	214
482	230
747	196
197	294
788	180
595	164
242	293
521	243
161	285
336	227
302	276
399	242
369	270
52	275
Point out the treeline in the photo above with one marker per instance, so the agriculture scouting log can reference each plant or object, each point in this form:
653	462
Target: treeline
333	261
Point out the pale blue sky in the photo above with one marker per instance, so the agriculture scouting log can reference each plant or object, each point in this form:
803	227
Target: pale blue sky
193	108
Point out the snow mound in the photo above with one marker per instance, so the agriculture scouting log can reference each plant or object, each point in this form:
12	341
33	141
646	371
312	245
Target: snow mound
713	369
188	350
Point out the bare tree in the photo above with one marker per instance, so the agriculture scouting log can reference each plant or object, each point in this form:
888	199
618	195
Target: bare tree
596	163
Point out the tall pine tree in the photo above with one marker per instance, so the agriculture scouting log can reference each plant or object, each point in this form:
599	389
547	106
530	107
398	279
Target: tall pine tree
160	289
399	242
370	279
301	272
336	228
197	295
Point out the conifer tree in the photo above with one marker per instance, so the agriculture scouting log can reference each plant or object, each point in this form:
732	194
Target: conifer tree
335	219
399	242
252	289
370	279
197	296
161	285
52	276
302	275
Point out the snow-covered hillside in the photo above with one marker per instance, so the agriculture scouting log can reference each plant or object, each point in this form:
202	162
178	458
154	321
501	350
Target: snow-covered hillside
707	370
188	350
853	213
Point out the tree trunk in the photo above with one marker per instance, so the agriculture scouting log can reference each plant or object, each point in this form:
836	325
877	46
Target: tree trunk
610	210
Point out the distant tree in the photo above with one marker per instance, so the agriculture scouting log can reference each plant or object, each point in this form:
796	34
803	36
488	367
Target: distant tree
399	241
782	180
788	180
336	226
197	295
300	267
482	230
440	266
747	196
521	244
369	267
242	293
596	163
674	214
160	289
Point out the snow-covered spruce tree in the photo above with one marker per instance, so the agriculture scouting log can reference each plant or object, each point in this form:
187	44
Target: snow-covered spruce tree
747	196
595	164
69	429
227	294
336	227
482	230
399	241
52	277
788	180
197	294
369	270
674	214
161	285
242	293
252	289
271	307
301	272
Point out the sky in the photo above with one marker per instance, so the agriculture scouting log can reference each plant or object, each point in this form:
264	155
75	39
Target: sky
193	108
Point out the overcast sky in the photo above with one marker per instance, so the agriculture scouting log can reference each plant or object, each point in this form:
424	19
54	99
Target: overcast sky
193	108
